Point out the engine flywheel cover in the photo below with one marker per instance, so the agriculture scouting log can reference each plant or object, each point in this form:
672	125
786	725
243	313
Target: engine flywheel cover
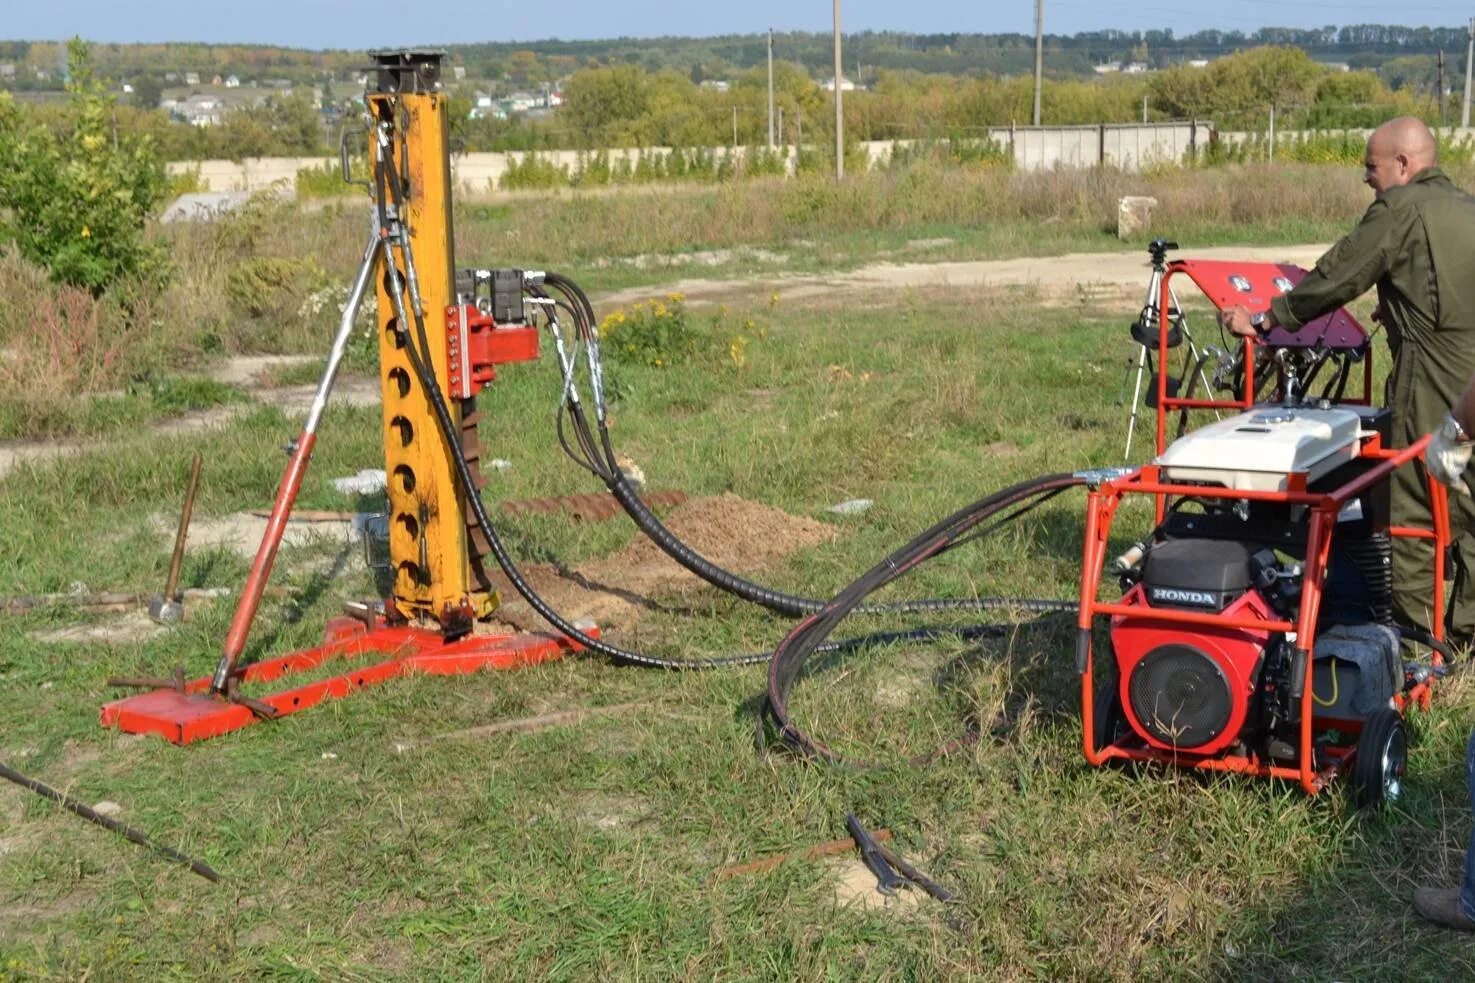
1181	696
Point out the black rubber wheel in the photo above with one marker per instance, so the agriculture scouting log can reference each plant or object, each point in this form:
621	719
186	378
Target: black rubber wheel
1108	720
1382	758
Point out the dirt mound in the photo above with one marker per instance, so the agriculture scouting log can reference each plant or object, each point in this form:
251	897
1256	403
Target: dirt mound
729	531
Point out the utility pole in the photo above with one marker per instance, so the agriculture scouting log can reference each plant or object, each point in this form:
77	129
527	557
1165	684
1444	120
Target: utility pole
1039	53
839	112
770	88
1469	57
1439	84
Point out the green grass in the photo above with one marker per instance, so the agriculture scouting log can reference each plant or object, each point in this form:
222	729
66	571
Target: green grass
590	850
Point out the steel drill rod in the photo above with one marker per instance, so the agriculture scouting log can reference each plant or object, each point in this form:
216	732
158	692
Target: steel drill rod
177	559
93	816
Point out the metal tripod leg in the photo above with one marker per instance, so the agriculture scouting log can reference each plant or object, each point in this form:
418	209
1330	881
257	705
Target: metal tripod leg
1136	396
1149	317
1194	353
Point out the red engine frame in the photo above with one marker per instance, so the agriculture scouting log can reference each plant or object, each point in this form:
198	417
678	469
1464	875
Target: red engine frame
1256	283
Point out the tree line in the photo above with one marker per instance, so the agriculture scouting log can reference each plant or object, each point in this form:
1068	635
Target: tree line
867	53
628	105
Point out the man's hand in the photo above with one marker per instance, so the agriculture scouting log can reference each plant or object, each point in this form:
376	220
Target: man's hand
1238	321
1448	454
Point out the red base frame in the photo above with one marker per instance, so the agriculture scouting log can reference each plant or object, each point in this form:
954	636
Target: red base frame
195	715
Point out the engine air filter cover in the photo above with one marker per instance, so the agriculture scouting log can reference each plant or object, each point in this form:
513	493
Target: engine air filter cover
1207	574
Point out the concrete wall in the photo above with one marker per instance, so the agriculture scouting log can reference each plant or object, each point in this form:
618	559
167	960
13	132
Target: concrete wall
251	174
1129	147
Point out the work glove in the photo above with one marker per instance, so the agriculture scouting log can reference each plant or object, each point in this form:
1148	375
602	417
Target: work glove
1448	454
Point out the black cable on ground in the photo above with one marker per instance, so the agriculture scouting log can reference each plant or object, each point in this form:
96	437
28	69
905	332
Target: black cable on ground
805	639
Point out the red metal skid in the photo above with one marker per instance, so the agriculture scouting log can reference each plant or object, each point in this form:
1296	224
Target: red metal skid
196	715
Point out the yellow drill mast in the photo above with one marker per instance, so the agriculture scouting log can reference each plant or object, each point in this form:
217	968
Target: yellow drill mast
437	572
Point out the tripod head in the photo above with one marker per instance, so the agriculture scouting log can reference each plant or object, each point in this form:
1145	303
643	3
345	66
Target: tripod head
1158	250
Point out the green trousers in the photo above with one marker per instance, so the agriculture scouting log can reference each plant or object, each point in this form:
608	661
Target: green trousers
1413	559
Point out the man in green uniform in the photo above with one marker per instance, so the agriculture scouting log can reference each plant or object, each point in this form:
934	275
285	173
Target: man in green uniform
1416	244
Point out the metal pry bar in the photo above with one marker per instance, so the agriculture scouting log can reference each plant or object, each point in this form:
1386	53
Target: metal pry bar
887	879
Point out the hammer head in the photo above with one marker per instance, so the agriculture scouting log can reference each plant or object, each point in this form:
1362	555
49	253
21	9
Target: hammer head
166	611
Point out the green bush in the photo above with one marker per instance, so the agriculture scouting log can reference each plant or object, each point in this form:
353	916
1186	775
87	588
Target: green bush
326	180
534	172
654	333
659	334
592	170
77	203
184	183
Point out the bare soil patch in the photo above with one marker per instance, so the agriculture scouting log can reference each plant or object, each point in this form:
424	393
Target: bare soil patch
1060	279
730	531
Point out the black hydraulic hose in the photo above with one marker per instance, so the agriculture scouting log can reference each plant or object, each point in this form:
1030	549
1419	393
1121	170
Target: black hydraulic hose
1429	641
792	605
803	641
389	177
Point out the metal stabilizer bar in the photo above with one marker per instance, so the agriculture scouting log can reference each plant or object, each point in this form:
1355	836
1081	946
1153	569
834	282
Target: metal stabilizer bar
276	525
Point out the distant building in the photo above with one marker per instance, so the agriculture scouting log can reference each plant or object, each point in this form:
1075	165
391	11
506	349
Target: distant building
1134	68
191	78
716	85
845	84
458	72
7	70
1107	68
1198	63
202	110
231	82
521	102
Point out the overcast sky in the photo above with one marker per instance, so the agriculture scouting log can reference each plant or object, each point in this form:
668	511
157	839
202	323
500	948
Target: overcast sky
358	24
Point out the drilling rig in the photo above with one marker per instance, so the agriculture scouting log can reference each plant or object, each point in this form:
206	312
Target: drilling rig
441	334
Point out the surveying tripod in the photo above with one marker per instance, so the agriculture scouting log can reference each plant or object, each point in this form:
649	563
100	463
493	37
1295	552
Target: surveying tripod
1145	333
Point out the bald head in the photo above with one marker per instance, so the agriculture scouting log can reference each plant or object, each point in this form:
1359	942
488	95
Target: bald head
1396	152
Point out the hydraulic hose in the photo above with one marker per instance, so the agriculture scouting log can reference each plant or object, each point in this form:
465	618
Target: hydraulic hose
791	605
804	640
418	348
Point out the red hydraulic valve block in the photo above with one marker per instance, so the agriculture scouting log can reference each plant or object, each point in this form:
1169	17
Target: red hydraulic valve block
477	344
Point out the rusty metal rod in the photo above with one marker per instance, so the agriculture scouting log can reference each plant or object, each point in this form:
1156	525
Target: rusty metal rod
827	849
177	559
93	816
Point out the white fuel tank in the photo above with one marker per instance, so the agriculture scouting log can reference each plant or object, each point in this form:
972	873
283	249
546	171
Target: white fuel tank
1258	450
